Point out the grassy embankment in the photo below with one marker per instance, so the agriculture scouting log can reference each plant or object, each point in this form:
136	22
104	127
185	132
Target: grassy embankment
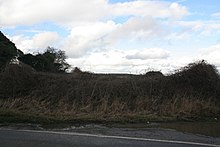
191	93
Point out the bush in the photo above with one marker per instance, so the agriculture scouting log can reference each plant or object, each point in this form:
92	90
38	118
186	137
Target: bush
200	78
16	81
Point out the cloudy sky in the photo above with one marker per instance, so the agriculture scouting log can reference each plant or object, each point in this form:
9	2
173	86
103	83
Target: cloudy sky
117	36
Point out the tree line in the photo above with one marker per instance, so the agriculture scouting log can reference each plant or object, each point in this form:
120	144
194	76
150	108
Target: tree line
51	60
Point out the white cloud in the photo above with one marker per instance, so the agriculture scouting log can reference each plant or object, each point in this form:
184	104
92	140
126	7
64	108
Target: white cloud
37	43
69	12
27	12
211	54
23	43
204	27
85	38
104	61
177	11
92	36
116	61
149	8
216	15
137	29
153	53
97	36
44	39
88	22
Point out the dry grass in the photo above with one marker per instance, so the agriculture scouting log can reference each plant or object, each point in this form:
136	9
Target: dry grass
192	92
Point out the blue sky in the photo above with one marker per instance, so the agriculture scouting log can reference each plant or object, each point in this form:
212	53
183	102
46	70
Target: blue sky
117	36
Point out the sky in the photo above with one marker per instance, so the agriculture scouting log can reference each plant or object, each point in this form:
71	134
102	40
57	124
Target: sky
117	36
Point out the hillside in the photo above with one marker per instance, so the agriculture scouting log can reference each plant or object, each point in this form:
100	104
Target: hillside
7	50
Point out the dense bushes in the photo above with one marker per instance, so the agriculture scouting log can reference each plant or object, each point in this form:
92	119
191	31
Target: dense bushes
52	60
199	78
190	92
16	81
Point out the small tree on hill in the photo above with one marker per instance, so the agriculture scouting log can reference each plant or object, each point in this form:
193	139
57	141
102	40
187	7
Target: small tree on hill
52	60
58	57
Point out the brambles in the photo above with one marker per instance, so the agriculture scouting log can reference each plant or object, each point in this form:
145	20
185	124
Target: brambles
16	81
192	92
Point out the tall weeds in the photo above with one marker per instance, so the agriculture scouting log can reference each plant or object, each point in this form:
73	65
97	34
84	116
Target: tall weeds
193	91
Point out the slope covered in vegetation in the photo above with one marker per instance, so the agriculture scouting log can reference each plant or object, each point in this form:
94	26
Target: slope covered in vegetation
7	50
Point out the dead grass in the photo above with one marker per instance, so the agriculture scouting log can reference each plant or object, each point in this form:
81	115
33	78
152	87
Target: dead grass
192	92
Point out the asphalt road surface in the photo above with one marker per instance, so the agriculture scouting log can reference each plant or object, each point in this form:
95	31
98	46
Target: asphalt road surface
101	136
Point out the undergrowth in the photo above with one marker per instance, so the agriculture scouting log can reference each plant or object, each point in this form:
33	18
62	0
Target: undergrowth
192	92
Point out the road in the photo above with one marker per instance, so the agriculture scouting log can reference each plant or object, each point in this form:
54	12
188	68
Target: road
84	137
